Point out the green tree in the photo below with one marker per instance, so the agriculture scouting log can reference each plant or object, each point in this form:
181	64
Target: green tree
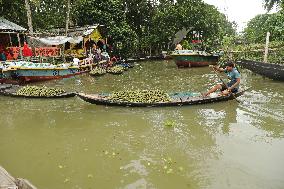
194	14
49	14
111	14
257	28
14	11
145	26
269	4
45	14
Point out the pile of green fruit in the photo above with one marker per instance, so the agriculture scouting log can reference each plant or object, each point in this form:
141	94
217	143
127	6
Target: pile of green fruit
140	96
116	70
39	91
98	71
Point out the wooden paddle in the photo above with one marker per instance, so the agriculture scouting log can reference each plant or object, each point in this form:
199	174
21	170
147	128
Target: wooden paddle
226	86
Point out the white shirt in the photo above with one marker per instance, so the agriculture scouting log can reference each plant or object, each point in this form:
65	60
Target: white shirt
76	61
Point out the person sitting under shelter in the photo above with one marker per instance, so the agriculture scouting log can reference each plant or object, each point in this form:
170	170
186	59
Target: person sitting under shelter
233	85
3	55
96	53
76	61
178	47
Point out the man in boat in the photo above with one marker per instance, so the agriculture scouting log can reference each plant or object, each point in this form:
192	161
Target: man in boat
233	85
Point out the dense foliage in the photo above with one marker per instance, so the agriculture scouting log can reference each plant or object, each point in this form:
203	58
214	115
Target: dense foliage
261	24
133	26
254	35
269	4
14	11
256	52
256	29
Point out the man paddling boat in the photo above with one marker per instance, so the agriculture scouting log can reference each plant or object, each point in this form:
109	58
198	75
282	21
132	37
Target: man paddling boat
233	85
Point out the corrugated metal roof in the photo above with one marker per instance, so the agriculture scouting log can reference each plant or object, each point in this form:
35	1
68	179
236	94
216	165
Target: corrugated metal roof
6	25
76	31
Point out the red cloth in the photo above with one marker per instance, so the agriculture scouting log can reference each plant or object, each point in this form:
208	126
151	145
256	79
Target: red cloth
27	51
196	41
9	56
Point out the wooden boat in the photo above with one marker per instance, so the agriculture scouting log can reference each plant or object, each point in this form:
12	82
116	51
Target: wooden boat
11	92
189	58
30	72
177	100
5	86
125	65
97	74
165	55
6	77
272	71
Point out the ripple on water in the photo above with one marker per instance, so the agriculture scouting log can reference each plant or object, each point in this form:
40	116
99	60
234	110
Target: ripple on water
114	147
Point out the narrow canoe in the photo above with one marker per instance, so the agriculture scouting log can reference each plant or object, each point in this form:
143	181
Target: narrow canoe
272	71
11	92
176	100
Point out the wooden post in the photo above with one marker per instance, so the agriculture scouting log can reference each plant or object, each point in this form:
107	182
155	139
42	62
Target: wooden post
266	47
230	54
20	49
10	40
63	52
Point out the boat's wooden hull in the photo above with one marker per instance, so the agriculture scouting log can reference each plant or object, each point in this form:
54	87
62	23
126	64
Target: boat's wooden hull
9	81
167	57
26	79
192	60
11	92
34	75
97	75
102	100
6	77
5	86
272	71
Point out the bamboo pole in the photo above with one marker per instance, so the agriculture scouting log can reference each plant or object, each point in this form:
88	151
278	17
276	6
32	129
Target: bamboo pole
20	49
266	47
10	40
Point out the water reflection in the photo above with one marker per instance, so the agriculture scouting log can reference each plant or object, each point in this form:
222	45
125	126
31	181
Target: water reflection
87	146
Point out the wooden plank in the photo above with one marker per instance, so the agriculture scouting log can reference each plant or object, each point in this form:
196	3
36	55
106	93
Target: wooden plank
24	184
6	180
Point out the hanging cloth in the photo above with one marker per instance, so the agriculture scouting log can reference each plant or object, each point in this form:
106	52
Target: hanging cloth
27	50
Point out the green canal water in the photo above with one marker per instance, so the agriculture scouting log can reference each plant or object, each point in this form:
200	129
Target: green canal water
70	144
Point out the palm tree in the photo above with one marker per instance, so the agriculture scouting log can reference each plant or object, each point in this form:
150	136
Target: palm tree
269	4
